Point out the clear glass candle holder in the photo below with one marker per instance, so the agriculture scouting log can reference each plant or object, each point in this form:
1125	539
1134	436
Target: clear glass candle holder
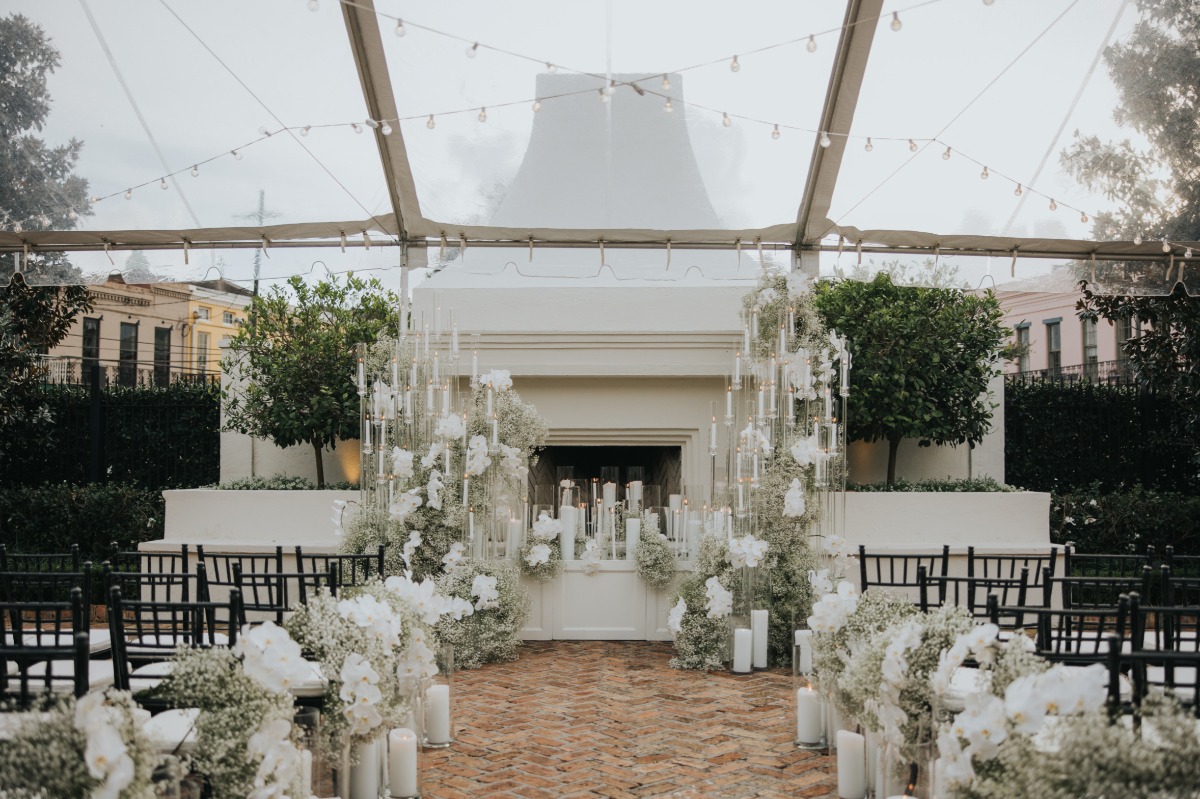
809	711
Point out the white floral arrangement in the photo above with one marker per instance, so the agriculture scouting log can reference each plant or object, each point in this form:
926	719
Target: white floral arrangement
369	642
541	556
244	744
92	747
654	557
747	551
492	632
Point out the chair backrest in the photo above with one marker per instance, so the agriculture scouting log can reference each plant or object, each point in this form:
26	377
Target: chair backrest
164	586
1079	636
900	570
220	565
50	633
1164	628
69	561
972	592
1182	565
1174	672
1099	592
49	586
1095	565
147	562
1176	589
349	569
275	595
1008	567
146	630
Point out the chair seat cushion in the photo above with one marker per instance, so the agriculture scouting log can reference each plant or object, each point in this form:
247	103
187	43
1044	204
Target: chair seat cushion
173	731
100	675
143	678
99	640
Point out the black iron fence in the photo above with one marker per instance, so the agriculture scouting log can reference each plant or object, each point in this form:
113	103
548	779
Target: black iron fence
147	433
69	370
1107	372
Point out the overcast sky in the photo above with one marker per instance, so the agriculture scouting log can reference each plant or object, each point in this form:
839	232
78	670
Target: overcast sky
283	62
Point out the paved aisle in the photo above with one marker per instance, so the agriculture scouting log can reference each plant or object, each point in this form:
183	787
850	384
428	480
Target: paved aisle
612	719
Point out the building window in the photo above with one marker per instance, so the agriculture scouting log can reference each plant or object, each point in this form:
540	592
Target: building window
1054	344
1090	358
91	341
202	312
229	318
162	356
202	339
127	371
1022	334
1127	330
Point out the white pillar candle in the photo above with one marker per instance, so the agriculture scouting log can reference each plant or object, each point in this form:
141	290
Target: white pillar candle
437	714
466	490
362	378
306	775
364	777
471	525
516	531
872	764
712	436
610	495
566	539
851	765
742	644
695	529
633	536
810	716
402	763
490	391
675	502
737	369
495	431
728	403
758	629
804	643
762	401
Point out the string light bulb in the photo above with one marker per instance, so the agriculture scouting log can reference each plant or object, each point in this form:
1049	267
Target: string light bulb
667	106
357	128
1018	191
812	44
611	88
1186	253
984	175
385	129
537	106
868	146
988	2
734	66
604	98
725	120
1053	205
482	117
912	146
824	141
775	132
162	184
400	30
262	130
1166	246
429	123
236	155
129	194
304	130
1137	239
473	50
314	5
195	170
666	83
946	155
1083	217
72	215
551	68
896	23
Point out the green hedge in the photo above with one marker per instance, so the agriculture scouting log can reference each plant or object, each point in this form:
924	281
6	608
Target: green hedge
1126	521
1067	437
966	484
51	517
280	482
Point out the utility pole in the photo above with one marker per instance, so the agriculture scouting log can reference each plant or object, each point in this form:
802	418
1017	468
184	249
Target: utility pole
259	216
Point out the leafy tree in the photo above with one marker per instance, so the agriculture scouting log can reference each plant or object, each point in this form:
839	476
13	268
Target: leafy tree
138	270
922	359
38	190
1156	71
292	363
38	187
32	320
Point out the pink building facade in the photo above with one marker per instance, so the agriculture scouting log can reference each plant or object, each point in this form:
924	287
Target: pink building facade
1059	342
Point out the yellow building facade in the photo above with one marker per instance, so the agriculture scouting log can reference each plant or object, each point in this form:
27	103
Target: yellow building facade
215	311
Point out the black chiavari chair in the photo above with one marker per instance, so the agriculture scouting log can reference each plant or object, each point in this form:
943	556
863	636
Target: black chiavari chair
350	569
899	572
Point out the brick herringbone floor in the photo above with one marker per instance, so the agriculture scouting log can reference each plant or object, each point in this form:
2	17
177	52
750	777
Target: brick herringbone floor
612	719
